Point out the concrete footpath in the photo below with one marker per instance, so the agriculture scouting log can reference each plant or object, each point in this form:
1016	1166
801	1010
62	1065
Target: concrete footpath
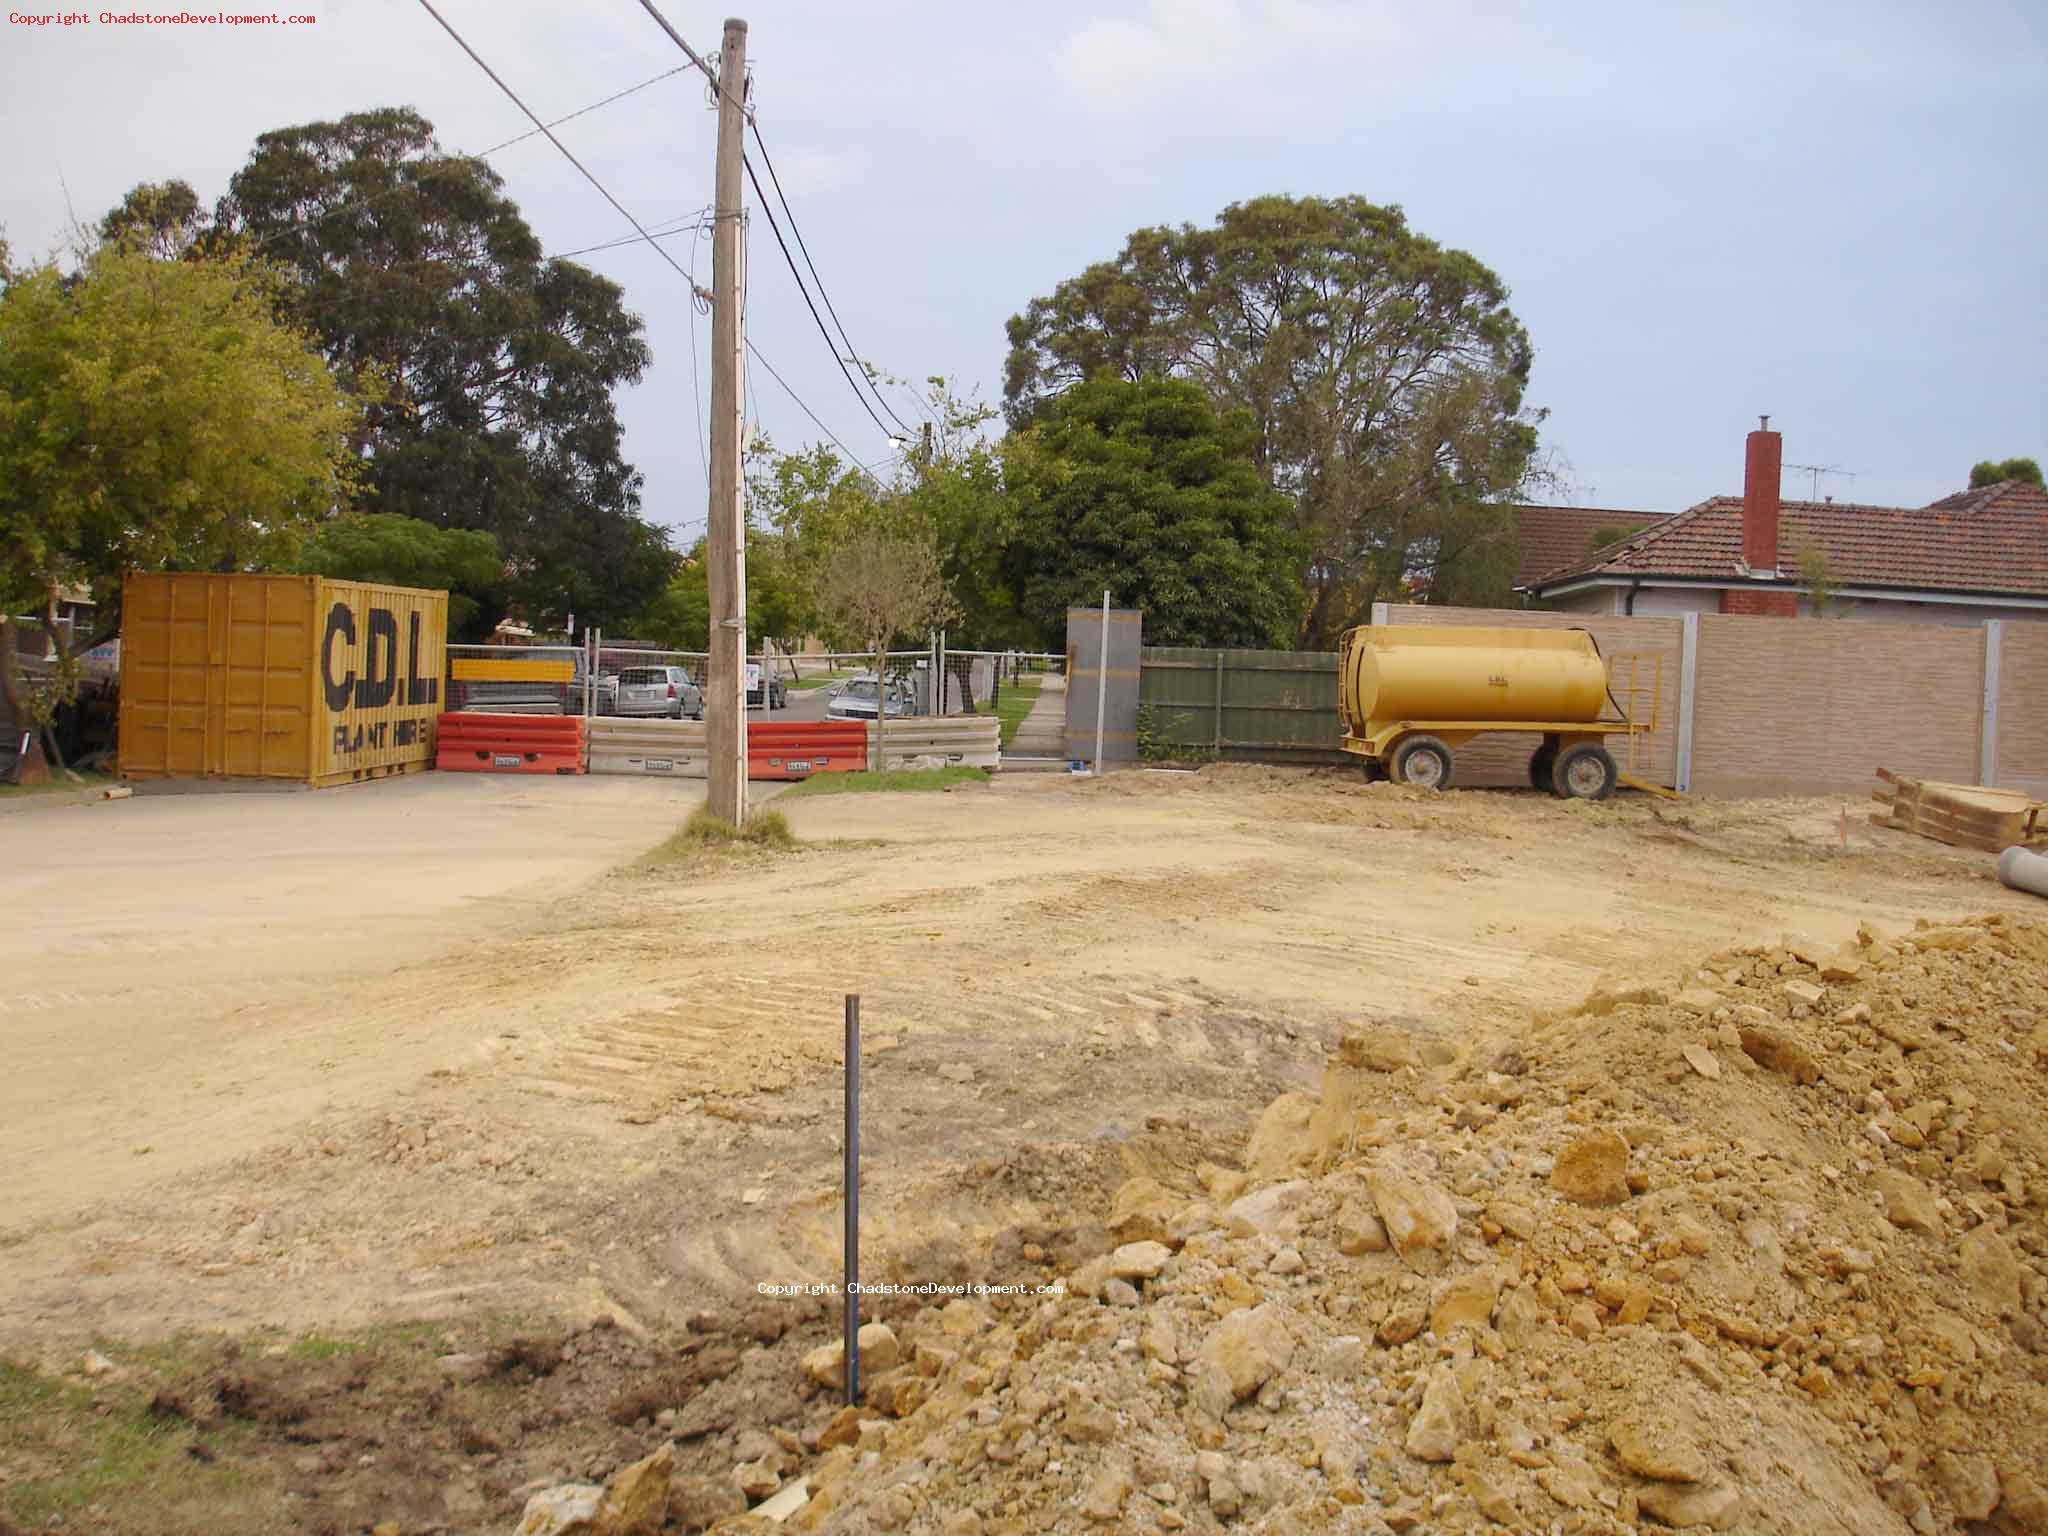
1040	742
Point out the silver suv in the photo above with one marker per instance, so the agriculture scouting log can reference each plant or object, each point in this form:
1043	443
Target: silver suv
659	691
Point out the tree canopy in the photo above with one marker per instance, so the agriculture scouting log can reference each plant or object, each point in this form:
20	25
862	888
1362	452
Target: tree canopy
1382	374
1143	488
1995	471
405	552
490	369
156	414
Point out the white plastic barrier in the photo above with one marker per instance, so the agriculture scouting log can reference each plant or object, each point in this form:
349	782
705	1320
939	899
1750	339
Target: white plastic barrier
658	748
973	741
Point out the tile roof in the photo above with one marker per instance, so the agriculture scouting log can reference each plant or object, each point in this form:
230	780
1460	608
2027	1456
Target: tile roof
1558	536
1993	540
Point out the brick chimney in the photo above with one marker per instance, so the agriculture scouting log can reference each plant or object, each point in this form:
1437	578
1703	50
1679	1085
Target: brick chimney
1762	467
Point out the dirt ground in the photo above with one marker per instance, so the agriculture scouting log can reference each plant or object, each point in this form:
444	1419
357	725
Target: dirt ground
449	1051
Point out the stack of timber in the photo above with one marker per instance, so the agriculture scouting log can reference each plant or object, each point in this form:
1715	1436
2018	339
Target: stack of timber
1964	815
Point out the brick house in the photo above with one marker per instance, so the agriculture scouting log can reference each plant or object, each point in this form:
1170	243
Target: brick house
1555	538
1980	554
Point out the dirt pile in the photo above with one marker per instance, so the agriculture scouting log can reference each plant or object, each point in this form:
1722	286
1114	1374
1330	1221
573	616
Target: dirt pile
1757	1247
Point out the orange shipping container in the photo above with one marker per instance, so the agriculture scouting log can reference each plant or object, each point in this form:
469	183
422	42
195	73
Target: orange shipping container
278	677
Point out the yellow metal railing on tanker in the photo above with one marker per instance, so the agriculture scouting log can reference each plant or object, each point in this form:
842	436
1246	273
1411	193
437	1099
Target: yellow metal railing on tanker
1630	691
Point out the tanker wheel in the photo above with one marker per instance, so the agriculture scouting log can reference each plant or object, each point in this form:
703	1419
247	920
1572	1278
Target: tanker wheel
1542	764
1424	762
1584	772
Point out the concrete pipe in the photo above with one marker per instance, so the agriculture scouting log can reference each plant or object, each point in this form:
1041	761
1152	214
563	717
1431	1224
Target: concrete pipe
2024	871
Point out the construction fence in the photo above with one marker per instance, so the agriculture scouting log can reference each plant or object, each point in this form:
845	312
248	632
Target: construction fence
1749	706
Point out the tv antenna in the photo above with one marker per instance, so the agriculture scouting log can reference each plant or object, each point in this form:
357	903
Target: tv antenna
1816	471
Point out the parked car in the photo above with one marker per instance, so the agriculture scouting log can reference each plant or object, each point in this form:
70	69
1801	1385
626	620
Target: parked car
855	700
778	691
660	691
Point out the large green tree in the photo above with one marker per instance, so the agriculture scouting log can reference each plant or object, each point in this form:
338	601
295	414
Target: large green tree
1145	489
494	366
1996	471
153	414
403	551
1382	374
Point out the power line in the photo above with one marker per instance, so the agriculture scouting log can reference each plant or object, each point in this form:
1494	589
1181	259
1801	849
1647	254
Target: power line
695	58
605	192
710	74
790	262
690	224
796	230
851	457
443	167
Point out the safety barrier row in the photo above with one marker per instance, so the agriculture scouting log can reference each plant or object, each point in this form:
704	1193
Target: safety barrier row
467	742
784	750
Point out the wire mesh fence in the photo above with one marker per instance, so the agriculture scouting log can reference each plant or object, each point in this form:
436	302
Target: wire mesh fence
630	677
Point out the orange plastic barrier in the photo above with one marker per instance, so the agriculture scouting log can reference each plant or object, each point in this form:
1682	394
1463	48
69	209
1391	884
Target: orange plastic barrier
798	749
471	743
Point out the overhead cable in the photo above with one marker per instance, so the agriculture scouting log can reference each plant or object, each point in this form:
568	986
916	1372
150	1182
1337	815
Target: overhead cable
783	198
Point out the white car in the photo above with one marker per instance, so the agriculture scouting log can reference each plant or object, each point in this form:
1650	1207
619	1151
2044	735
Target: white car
855	700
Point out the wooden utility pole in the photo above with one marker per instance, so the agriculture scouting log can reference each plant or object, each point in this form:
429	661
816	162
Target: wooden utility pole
725	707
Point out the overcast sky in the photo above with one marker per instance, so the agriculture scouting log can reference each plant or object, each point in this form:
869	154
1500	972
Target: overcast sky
1836	213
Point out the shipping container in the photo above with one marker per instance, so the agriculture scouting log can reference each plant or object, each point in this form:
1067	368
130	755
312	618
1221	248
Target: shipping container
278	677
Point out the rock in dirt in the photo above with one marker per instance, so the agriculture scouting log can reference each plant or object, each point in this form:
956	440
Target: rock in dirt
826	1365
1593	1169
757	1479
570	1509
1717	1506
1106	1495
1907	1202
1358	1230
1268	1212
1438	1425
636	1499
1701	1060
1971	1483
1250	1348
1282	1141
879	1350
1380	1050
1465	1300
1139	1261
1660	1441
1992	1270
1779	1050
1419	1218
1142	1211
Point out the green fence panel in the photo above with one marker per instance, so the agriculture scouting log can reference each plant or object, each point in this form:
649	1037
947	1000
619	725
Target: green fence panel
1258	706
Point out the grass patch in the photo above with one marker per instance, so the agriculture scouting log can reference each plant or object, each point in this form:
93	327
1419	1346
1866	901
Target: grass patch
73	1447
763	829
1014	703
868	782
820	679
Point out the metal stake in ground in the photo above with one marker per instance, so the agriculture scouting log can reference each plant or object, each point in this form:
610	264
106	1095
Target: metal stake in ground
852	1198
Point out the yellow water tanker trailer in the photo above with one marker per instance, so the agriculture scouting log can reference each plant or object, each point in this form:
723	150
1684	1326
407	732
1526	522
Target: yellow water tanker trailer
242	676
1413	693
